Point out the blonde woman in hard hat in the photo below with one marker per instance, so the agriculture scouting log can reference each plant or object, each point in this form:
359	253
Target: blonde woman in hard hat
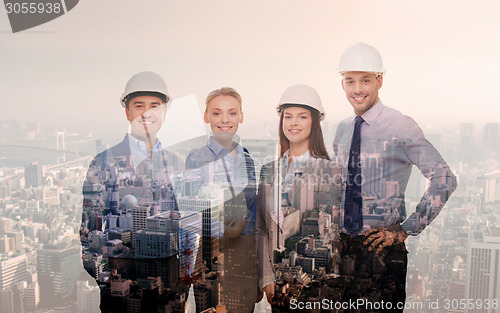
227	172
298	202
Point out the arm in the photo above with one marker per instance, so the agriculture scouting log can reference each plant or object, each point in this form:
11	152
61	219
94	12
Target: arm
414	149
442	181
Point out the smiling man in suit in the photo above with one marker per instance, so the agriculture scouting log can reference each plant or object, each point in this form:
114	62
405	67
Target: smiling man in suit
377	148
136	244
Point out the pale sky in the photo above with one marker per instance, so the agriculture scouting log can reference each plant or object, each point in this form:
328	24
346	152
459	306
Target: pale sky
441	58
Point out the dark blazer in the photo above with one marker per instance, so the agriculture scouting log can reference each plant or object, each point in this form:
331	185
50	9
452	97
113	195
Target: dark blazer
113	186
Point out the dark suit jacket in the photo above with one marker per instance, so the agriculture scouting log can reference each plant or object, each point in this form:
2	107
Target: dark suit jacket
112	189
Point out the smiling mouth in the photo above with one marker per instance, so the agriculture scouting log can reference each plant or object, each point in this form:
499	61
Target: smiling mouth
294	131
359	99
224	128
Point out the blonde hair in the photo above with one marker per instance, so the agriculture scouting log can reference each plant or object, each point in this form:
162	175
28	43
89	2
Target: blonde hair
224	91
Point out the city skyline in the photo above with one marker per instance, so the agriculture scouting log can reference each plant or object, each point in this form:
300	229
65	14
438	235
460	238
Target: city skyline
61	84
476	198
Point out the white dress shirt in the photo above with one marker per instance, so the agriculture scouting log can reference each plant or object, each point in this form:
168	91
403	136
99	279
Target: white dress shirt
139	151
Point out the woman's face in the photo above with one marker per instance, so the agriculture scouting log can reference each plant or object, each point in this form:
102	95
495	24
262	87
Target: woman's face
224	115
297	123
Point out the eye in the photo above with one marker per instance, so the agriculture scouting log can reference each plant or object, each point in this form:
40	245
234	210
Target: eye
287	117
348	82
232	113
366	81
216	113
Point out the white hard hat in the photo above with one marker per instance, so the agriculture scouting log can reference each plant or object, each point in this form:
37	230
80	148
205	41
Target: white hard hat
302	95
147	83
361	57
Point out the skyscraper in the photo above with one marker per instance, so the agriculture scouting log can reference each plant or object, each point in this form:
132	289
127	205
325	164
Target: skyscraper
58	268
211	210
483	268
33	175
466	148
167	241
13	269
491	139
87	297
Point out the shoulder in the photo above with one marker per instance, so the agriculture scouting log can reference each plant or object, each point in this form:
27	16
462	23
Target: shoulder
401	124
199	157
345	123
110	155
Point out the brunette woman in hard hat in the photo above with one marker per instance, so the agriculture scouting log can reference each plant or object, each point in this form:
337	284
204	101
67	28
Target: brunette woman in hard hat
227	171
298	205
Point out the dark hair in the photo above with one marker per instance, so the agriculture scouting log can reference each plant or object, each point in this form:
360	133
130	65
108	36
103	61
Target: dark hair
136	94
316	142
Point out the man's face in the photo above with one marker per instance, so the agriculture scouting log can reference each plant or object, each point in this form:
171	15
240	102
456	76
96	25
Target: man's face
224	115
146	115
361	90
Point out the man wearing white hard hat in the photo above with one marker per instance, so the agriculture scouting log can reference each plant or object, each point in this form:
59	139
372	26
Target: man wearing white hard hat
377	148
126	193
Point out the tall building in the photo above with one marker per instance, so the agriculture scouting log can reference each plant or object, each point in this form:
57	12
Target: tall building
13	269
156	244
139	216
32	296
187	227
60	145
211	210
483	268
33	175
168	240
488	184
374	168
491	140
466	148
88	298
58	269
4	244
6	301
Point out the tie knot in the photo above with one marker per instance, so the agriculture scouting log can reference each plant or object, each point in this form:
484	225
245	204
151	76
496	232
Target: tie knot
358	120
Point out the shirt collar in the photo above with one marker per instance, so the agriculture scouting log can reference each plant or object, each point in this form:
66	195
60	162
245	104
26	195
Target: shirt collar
301	158
371	115
139	151
217	148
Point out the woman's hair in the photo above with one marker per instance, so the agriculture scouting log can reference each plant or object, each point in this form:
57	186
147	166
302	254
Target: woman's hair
316	142
224	91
